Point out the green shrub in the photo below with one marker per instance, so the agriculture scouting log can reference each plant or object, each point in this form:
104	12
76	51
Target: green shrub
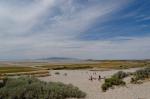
115	80
104	87
110	82
141	74
32	88
120	75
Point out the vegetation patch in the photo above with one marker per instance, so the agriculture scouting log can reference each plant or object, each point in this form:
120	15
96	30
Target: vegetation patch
120	75
57	73
66	66
115	80
15	69
18	71
103	64
32	88
140	75
124	64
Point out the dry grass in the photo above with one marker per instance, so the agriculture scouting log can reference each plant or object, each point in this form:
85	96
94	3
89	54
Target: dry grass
43	69
123	64
38	72
18	71
103	64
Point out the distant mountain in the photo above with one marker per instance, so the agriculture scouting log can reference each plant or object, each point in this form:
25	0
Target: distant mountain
59	59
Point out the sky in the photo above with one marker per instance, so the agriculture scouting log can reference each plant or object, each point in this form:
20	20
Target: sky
85	29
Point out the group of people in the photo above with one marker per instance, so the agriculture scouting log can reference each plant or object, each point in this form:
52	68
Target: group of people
93	78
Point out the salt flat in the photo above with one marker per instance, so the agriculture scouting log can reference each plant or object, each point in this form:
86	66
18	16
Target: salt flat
80	78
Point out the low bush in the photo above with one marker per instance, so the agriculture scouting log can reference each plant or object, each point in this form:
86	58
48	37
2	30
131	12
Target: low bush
1	83
32	88
115	80
141	74
110	82
120	75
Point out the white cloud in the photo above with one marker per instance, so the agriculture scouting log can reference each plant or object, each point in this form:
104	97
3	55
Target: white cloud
15	19
49	28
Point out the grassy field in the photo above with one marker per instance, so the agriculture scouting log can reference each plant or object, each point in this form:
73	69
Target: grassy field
66	66
103	64
16	69
33	68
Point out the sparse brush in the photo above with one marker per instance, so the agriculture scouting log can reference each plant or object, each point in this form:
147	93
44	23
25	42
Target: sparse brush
115	80
57	73
32	88
141	74
110	82
120	75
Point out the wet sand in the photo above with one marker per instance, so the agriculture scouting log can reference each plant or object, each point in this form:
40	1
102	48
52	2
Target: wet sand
80	78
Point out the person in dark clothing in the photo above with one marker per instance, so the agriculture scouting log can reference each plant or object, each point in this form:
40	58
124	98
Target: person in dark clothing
91	78
99	77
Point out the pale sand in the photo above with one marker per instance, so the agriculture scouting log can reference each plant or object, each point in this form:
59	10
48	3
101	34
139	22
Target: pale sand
80	78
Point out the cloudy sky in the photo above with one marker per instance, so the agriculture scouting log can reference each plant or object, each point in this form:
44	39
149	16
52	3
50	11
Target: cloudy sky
97	29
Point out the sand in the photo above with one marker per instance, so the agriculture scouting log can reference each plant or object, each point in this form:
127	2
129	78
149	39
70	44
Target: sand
80	78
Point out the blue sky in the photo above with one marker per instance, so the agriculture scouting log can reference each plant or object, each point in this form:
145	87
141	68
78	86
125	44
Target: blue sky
97	29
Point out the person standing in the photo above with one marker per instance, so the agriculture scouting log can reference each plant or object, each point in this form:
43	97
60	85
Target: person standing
99	77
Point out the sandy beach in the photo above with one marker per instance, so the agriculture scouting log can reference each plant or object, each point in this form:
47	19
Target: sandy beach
80	78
